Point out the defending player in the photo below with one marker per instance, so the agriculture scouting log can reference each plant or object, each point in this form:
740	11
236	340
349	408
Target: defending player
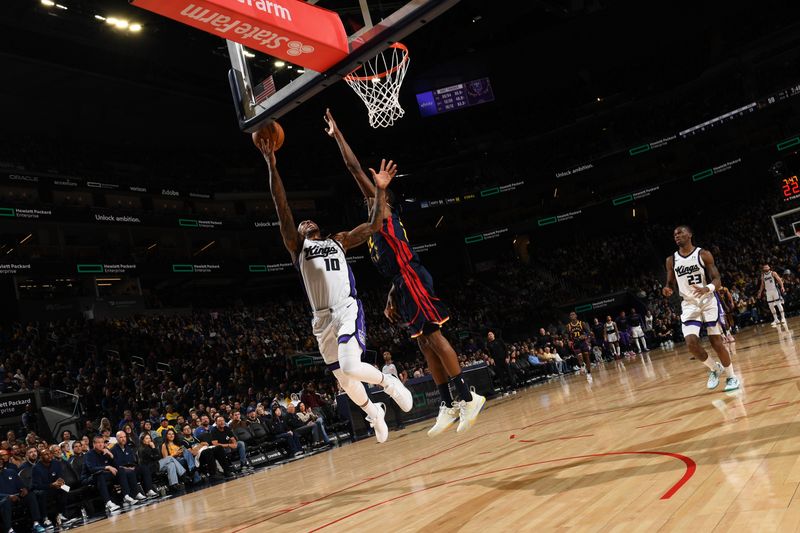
338	322
578	332
412	301
691	268
772	284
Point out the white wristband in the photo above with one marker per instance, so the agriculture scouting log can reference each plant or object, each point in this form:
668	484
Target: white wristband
711	287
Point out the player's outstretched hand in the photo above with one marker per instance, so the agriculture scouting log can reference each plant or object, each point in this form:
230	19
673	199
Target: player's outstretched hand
264	145
391	313
387	173
332	128
666	291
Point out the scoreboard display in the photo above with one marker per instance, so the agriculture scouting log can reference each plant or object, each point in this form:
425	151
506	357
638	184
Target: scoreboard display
455	97
790	188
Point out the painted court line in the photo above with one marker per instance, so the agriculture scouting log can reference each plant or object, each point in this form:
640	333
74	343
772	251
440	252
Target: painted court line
691	467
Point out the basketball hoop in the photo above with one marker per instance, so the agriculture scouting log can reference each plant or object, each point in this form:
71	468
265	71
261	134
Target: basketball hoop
377	82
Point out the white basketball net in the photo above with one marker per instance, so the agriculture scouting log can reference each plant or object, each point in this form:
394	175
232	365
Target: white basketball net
377	82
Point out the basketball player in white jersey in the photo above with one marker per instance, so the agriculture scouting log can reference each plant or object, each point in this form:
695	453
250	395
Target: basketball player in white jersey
338	322
772	285
697	277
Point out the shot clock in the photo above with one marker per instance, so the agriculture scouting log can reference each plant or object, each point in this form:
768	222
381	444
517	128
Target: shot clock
790	188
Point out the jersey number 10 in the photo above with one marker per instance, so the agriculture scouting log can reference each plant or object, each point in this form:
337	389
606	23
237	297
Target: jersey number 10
331	264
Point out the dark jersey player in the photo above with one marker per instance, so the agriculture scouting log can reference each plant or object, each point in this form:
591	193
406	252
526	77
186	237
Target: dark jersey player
578	332
412	301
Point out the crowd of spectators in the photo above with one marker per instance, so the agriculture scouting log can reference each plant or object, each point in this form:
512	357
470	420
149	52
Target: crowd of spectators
167	392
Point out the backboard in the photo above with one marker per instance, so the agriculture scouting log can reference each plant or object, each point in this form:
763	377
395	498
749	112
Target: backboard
372	26
787	224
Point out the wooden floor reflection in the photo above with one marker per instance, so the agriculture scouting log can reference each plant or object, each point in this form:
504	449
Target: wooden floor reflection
645	447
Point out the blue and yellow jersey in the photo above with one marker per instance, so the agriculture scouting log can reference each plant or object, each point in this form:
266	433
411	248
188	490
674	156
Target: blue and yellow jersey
576	330
390	250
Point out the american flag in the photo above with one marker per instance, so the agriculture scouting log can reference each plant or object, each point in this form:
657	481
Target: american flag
264	90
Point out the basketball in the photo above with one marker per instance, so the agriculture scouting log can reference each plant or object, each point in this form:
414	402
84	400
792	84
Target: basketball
272	131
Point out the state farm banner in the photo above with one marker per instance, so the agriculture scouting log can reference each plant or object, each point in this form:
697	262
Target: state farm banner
293	30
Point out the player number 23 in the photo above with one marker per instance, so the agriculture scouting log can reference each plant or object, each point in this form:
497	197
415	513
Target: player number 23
694	279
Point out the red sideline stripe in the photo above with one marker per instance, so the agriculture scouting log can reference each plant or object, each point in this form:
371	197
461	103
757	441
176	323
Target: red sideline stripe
691	467
658	423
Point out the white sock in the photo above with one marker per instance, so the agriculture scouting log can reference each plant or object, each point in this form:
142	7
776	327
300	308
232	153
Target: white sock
779	307
709	363
729	370
774	314
370	409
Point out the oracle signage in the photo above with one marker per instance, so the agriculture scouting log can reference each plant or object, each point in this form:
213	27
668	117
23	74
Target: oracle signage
292	30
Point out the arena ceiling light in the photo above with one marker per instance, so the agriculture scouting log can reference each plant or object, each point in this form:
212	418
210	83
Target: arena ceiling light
280	64
121	24
48	3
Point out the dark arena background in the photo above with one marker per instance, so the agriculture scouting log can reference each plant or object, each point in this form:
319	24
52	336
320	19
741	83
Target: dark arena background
551	157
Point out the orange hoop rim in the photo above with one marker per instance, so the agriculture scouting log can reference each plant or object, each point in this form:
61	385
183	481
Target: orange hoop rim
399	46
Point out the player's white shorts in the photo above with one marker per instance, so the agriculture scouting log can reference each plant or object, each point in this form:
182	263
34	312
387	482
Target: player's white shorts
707	312
637	332
774	298
612	337
336	326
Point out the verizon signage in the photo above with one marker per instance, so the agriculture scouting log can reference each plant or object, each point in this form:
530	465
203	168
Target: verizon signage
293	30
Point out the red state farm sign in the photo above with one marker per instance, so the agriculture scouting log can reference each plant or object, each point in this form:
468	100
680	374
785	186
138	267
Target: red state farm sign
303	34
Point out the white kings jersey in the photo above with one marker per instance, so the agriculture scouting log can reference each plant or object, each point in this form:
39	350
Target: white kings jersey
326	274
771	287
689	271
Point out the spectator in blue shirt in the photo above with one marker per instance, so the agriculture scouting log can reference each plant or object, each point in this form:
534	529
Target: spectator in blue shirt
99	470
127	462
47	483
203	428
13	491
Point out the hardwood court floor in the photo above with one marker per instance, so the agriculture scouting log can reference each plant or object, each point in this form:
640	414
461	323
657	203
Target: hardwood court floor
646	447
